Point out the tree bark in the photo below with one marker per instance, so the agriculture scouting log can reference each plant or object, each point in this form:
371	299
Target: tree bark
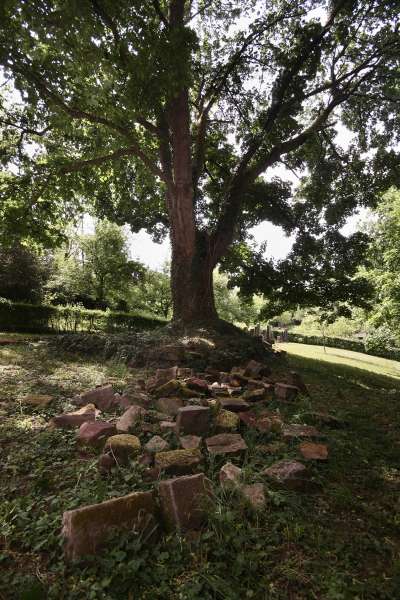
192	284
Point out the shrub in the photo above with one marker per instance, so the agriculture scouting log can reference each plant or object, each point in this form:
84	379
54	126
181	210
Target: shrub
19	316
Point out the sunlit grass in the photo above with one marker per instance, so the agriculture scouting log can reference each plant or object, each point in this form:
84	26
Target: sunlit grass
374	364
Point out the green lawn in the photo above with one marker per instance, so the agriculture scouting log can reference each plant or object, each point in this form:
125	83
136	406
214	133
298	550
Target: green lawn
373	364
341	542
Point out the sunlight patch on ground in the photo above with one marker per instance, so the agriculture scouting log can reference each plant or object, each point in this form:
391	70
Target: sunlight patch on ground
374	364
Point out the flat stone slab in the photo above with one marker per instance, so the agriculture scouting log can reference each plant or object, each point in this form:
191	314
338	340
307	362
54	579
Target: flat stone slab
183	501
289	473
234	405
226	443
193	420
178	462
130	418
85	529
103	397
295	431
40	400
76	418
93	433
285	392
311	451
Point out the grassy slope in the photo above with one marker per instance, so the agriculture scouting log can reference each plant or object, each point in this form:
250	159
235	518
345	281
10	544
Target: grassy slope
373	364
342	543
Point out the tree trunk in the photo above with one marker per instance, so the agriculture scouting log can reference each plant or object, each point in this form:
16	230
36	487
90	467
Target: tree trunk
192	284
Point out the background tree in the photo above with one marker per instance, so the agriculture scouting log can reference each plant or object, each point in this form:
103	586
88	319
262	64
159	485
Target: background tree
170	114
384	256
154	292
23	273
95	270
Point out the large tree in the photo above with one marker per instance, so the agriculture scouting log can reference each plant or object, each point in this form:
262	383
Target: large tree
169	114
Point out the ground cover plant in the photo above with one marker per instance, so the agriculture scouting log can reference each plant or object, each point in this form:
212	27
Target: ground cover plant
342	541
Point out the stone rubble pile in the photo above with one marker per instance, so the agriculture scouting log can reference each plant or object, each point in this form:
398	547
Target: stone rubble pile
186	420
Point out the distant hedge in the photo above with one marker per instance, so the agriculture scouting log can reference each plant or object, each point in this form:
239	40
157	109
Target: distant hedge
19	316
334	342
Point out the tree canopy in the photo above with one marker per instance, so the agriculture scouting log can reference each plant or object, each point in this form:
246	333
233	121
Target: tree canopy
170	115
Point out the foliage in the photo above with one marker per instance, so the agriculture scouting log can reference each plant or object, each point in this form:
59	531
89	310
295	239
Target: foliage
94	269
18	316
23	273
231	306
384	268
380	340
170	115
153	292
345	327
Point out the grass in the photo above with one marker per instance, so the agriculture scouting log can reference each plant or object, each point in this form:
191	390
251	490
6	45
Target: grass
340	543
373	364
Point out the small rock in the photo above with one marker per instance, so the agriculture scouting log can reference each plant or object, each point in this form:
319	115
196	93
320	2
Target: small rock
169	406
261	423
295	431
130	418
234	405
255	395
164	375
102	397
286	392
185	372
178	462
199	385
272	448
156	444
41	400
226	443
93	433
189	442
289	473
253	369
86	528
230	475
76	418
227	421
254	494
123	446
311	451
167	426
193	420
105	463
183	501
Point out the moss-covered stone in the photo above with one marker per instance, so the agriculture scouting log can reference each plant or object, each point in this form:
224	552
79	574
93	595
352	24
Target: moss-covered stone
123	445
178	462
226	420
171	388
